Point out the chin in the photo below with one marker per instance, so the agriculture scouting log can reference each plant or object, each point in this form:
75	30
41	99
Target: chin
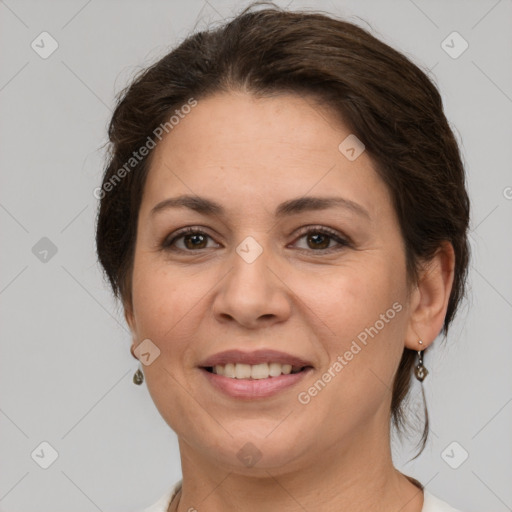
259	449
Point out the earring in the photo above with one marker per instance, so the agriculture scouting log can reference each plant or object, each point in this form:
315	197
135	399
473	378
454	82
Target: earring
420	371
138	377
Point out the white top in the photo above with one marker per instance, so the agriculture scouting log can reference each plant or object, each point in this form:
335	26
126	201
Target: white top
430	502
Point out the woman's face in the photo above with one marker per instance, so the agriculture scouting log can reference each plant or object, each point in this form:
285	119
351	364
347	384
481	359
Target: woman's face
323	286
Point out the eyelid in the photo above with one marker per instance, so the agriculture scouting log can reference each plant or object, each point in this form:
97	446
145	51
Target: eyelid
180	233
327	230
341	239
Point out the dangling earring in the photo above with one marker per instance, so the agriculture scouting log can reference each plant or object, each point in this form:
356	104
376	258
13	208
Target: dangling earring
420	371
138	377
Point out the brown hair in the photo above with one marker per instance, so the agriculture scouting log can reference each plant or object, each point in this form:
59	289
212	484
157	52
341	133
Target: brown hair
388	102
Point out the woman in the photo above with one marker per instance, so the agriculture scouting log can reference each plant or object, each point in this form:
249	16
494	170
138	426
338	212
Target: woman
284	217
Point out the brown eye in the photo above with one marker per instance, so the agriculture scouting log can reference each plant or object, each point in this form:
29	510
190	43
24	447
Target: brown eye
187	240
319	239
194	241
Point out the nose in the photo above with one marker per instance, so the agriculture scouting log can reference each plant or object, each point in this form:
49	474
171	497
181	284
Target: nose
253	293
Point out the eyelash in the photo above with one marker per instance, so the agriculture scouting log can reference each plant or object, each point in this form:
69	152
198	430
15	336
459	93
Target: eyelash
343	242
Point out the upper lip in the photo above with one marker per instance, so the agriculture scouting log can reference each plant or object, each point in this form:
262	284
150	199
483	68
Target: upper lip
254	357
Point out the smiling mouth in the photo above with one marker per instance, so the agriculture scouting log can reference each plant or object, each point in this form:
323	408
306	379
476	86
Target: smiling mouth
254	372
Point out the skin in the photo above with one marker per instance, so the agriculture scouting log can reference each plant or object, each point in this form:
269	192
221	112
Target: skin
250	154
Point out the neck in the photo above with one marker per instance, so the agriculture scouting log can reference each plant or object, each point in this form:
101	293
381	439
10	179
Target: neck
356	476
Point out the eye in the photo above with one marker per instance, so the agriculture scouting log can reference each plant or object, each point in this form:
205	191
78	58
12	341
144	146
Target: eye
319	239
193	239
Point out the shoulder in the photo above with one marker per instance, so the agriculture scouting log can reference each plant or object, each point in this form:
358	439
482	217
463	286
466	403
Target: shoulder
433	504
162	504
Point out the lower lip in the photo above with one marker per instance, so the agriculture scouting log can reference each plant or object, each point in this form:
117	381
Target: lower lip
254	388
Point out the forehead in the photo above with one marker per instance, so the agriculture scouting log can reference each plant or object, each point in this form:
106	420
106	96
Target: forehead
260	148
237	127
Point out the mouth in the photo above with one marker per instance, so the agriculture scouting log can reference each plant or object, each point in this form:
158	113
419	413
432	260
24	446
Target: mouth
254	371
258	374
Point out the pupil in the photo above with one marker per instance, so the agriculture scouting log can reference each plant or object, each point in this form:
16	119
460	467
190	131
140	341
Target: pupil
319	237
192	245
315	237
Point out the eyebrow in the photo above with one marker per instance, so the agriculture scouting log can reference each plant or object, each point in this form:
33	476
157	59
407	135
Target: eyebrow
290	207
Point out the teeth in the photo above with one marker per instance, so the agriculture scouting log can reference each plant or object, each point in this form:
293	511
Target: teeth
229	370
254	371
242	371
260	371
274	369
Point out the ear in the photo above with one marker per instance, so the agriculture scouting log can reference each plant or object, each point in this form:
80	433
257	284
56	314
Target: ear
130	320
429	300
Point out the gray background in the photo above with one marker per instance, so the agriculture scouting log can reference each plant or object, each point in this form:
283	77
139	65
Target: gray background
66	369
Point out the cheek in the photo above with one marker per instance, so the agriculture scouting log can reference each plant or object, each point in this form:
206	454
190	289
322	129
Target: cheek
352	298
165	304
170	307
363	313
159	299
